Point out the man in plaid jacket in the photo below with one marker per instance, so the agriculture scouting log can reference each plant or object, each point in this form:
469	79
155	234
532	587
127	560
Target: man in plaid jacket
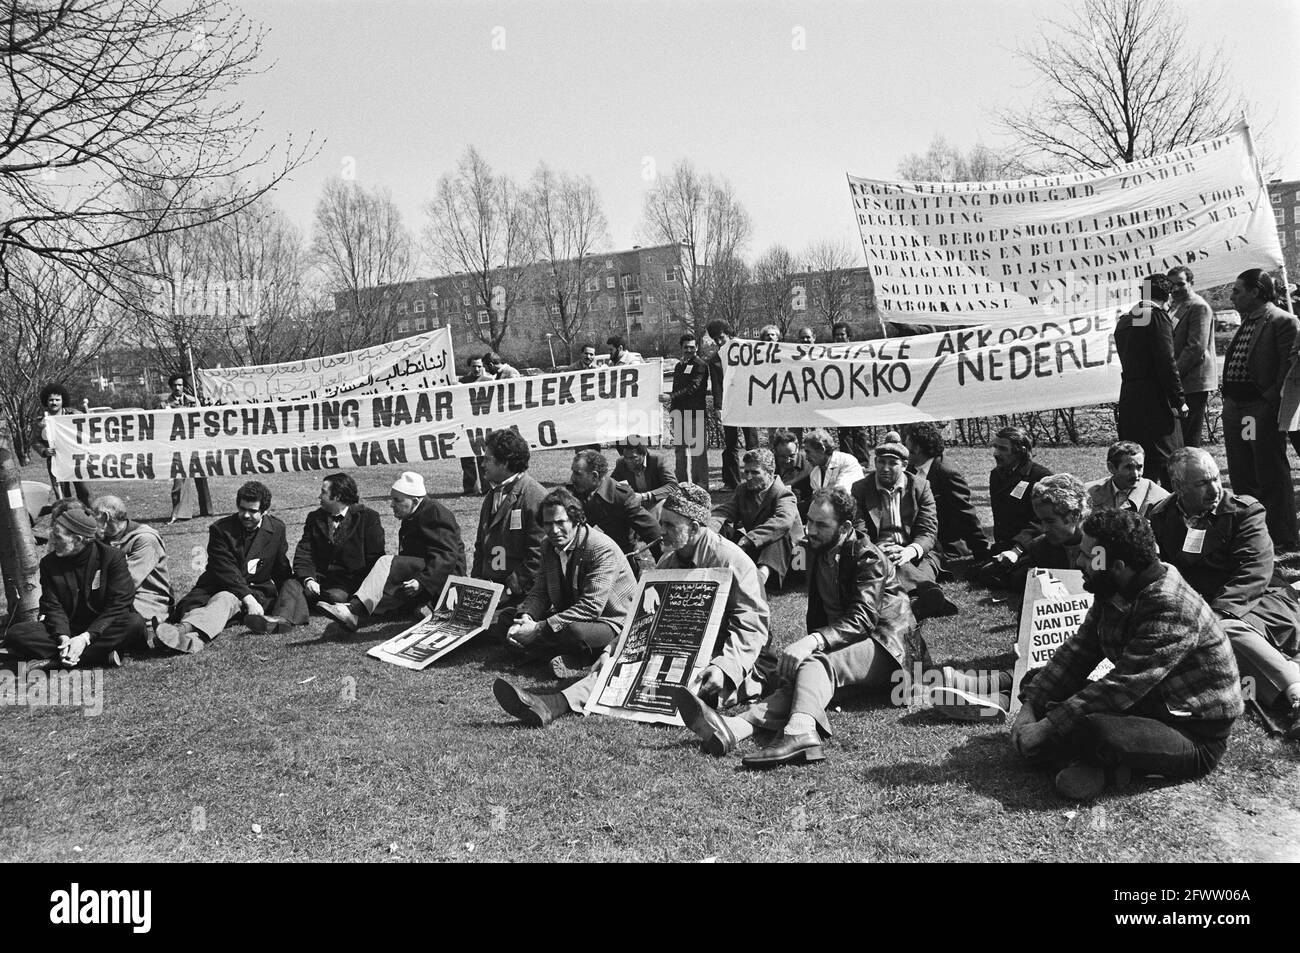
1169	703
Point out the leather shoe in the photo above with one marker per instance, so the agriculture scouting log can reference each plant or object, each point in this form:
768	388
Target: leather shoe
716	736
1081	781
531	709
342	612
787	749
1290	723
931	603
262	624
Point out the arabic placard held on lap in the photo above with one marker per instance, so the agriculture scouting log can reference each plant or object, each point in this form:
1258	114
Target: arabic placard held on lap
464	609
1054	608
412	363
668	640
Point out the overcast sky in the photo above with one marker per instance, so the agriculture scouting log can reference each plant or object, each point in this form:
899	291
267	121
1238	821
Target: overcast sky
402	87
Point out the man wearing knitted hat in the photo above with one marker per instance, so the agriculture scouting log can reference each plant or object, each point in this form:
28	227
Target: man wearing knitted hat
429	549
742	664
86	594
897	510
248	559
761	517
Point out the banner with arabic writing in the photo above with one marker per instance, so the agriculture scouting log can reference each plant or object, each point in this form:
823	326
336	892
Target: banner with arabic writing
414	363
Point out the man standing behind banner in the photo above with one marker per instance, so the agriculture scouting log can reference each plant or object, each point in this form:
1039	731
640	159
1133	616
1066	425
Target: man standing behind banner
618	352
688	404
852	440
341	542
248	558
183	492
55	400
471	468
720	332
429	549
1151	395
1255	367
508	542
1193	351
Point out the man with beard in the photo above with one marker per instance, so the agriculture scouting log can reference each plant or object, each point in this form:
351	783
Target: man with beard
859	632
741	665
761	517
1220	543
86	594
1168	704
1126	488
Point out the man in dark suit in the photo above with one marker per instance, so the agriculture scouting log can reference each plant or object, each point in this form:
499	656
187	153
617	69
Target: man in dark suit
761	517
792	466
896	510
87	618
688	403
341	542
960	532
613	508
645	473
852	440
429	549
1193	350
721	333
1255	367
471	468
1220	544
508	542
1010	486
248	559
1151	393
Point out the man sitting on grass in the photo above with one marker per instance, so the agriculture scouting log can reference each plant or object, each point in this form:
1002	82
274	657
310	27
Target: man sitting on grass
646	474
247	560
741	665
1169	703
508	541
146	557
1060	504
341	542
612	507
1010	484
429	549
86	593
1126	487
860	630
761	517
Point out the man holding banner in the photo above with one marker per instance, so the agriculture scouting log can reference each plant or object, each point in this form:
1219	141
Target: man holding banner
1168	705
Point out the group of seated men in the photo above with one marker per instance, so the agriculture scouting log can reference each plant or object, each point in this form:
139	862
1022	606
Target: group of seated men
1187	581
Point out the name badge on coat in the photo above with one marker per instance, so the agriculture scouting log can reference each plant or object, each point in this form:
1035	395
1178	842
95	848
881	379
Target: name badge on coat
1195	541
94	583
516	519
253	564
1018	491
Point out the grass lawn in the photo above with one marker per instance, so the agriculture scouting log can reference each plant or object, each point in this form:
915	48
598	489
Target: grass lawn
298	747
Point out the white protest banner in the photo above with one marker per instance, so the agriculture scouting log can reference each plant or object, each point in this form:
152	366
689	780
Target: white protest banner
464	609
665	643
931	377
962	253
408	427
414	363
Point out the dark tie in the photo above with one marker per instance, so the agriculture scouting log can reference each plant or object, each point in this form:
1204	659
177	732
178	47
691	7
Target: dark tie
336	522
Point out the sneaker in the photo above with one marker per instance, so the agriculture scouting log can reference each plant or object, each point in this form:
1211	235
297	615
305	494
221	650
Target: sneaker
342	612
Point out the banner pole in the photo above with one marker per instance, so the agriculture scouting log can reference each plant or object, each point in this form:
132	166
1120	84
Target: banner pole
194	380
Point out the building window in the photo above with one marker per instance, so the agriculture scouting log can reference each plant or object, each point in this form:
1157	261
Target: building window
464	301
401	307
609	282
628	282
1279	216
670	274
609	262
482	316
1277	198
469	318
591	284
420	324
632	302
402	327
1282	238
555	310
419	306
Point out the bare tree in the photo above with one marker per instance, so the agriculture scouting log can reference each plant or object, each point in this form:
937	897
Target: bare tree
944	162
480	224
52	324
362	248
569	227
732	285
774	287
1119	81
704	219
830	266
103	96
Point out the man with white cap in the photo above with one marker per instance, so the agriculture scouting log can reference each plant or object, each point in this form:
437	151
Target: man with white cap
86	592
429	549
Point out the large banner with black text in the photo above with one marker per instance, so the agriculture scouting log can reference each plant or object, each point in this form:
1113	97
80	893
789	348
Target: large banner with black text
551	411
412	363
964	253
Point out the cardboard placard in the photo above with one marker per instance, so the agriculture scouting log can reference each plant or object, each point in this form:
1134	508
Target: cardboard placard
665	643
463	610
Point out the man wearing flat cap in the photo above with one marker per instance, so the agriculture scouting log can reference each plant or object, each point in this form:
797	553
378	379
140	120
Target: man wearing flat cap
86	595
761	517
429	549
248	559
897	510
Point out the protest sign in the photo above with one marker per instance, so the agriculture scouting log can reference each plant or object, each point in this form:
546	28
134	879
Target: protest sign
412	363
1057	362
962	253
550	411
666	643
1054	607
464	609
